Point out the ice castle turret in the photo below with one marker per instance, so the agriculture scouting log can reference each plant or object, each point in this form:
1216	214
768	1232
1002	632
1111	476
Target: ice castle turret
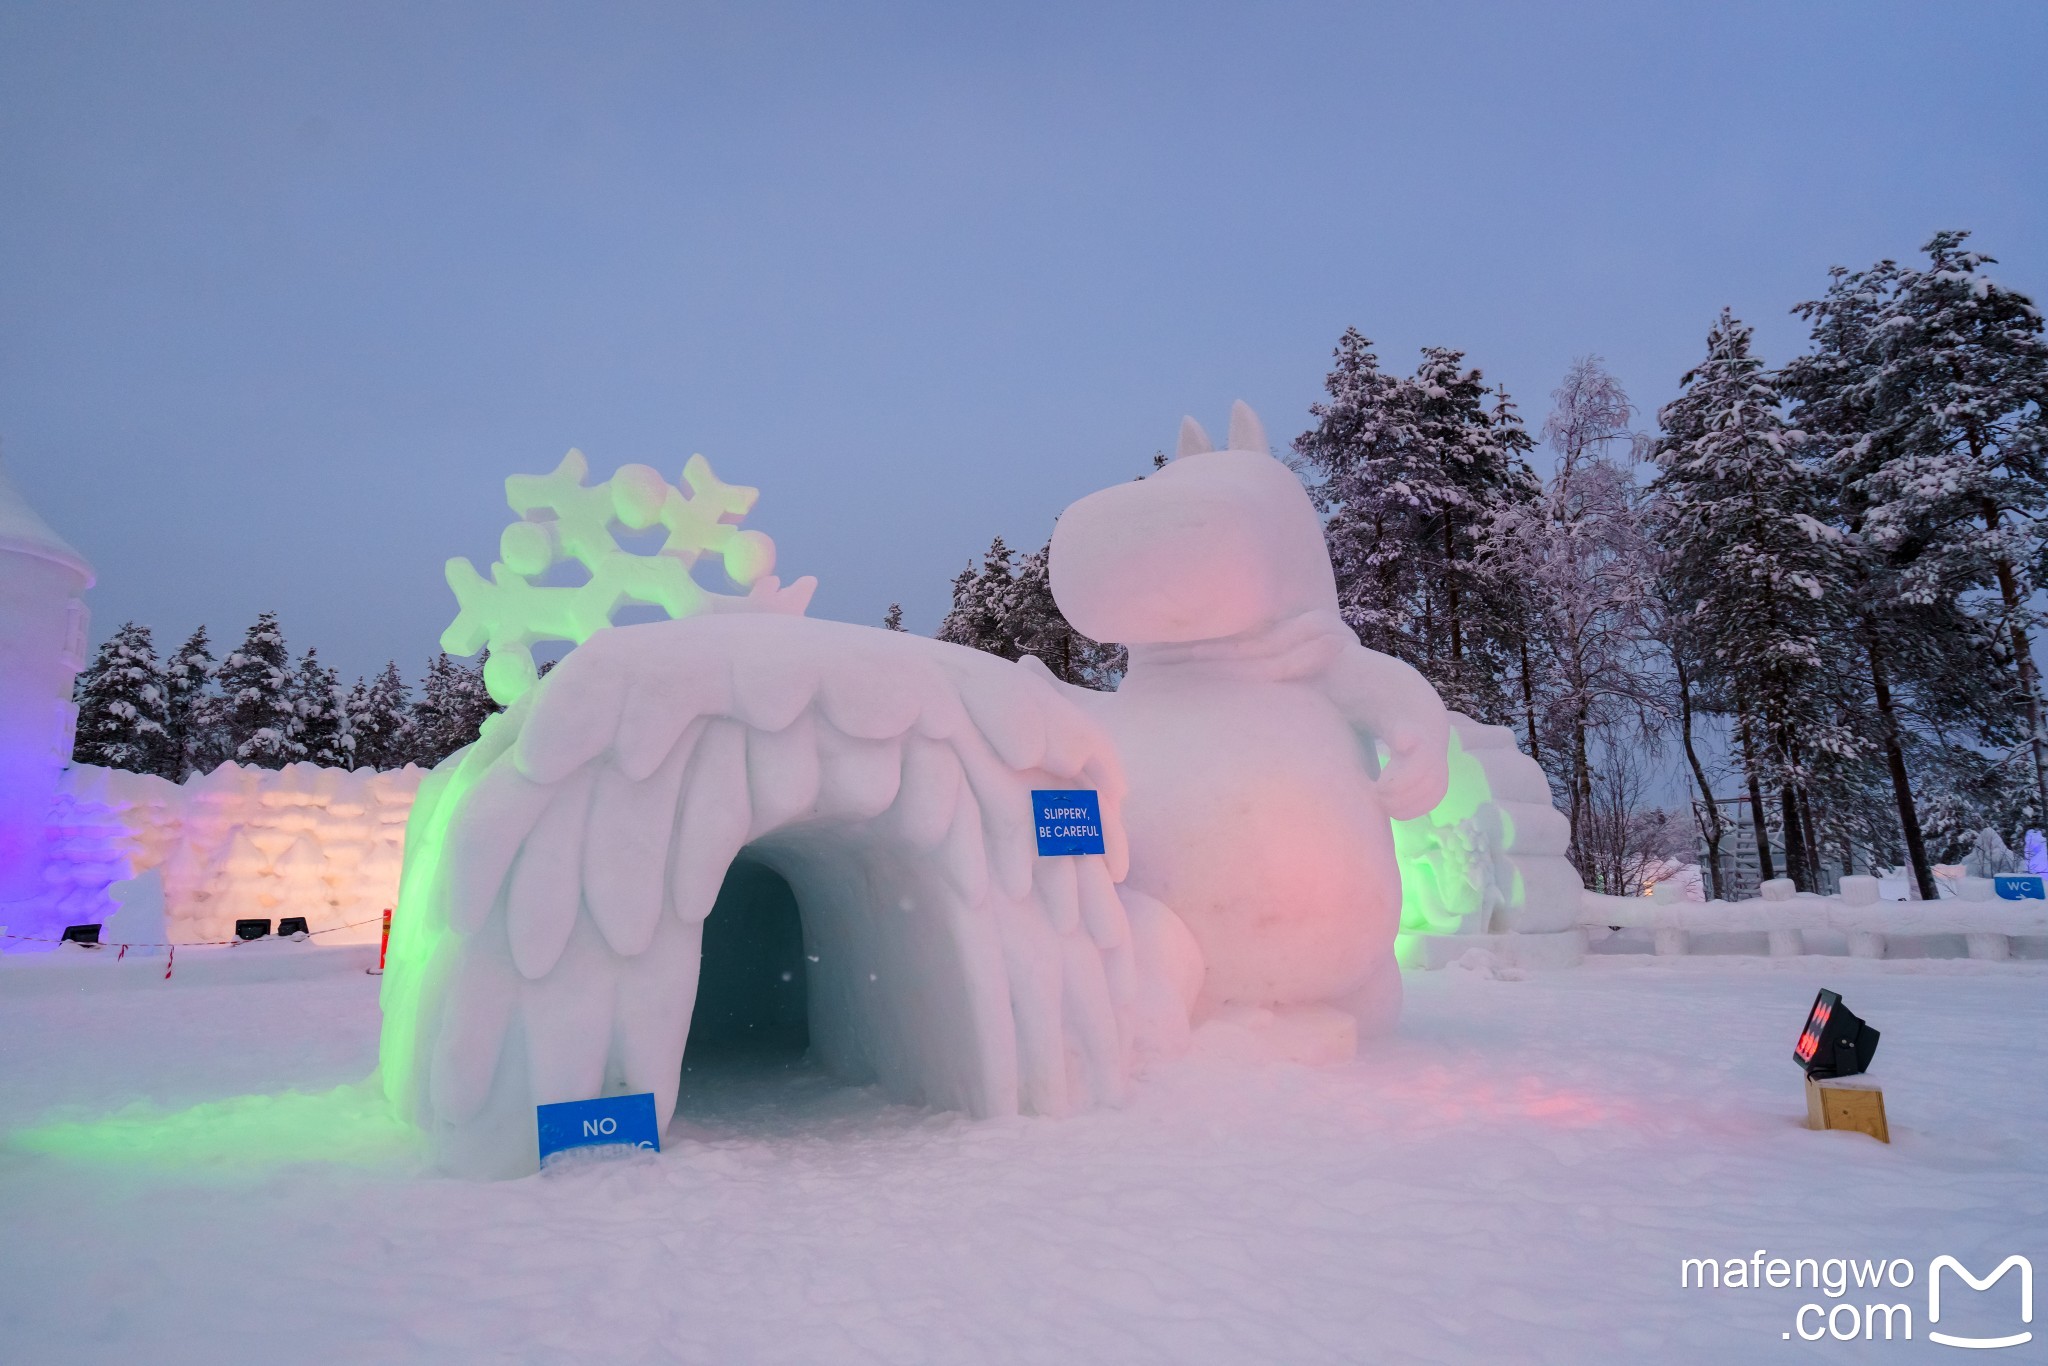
42	648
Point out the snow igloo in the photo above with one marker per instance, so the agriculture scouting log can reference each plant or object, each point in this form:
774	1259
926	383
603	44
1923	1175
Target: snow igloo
875	788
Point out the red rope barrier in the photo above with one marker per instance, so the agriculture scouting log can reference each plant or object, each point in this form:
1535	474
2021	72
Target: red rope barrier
195	943
211	943
216	943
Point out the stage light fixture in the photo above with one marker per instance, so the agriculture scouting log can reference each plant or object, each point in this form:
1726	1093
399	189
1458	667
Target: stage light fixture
292	924
88	935
251	929
1836	1042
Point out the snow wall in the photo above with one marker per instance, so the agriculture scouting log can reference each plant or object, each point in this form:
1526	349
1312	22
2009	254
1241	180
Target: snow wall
237	843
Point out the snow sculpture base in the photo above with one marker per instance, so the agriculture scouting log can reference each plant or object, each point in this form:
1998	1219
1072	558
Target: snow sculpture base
1545	950
1311	1036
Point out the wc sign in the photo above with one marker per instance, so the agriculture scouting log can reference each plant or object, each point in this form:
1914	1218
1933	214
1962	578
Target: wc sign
613	1121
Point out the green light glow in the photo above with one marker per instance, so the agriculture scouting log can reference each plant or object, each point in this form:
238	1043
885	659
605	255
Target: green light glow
421	942
416	932
1447	857
350	1125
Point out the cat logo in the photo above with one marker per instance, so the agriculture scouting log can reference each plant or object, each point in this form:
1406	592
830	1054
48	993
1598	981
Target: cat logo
1934	1299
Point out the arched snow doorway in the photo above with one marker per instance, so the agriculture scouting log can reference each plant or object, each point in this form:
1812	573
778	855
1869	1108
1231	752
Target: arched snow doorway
830	945
549	935
752	1003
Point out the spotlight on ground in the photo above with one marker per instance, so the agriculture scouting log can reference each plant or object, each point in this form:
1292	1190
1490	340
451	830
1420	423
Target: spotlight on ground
88	935
251	929
1836	1042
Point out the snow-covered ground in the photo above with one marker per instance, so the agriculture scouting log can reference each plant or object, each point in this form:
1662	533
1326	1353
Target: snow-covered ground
193	1171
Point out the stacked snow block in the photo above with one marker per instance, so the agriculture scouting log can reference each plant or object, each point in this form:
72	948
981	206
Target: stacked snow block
1534	835
237	843
323	843
1487	868
104	826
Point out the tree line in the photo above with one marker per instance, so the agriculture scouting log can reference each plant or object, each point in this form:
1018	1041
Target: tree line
1814	586
191	713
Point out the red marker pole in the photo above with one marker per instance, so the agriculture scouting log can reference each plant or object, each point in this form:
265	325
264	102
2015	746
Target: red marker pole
383	946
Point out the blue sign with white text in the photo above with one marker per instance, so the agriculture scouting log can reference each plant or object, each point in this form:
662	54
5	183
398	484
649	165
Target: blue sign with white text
607	1122
1068	822
2021	887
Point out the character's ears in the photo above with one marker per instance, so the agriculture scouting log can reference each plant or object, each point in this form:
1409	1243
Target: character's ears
1247	433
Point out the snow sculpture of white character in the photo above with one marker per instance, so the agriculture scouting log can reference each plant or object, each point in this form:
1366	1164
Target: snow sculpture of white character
1264	747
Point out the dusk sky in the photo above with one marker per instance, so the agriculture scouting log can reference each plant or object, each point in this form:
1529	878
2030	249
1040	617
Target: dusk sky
286	292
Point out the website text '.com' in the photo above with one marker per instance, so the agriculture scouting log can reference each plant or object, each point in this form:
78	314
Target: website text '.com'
1877	1311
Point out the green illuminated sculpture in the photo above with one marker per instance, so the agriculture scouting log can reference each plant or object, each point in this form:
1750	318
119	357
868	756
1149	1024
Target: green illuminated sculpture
562	520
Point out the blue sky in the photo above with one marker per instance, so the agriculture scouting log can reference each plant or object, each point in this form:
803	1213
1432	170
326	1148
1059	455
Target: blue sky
286	290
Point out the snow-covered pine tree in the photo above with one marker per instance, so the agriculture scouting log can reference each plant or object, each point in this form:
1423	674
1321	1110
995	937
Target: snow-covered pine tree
320	734
1408	470
451	710
892	620
193	716
1753	574
1039	628
380	718
1005	607
982	609
1356	462
1504	598
257	705
120	698
1862	396
1466	467
1965	372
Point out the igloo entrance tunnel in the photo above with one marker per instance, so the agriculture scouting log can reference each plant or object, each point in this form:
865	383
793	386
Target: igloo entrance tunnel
558	873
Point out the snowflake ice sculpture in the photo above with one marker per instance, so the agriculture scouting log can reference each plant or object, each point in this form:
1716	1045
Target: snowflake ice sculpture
561	520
